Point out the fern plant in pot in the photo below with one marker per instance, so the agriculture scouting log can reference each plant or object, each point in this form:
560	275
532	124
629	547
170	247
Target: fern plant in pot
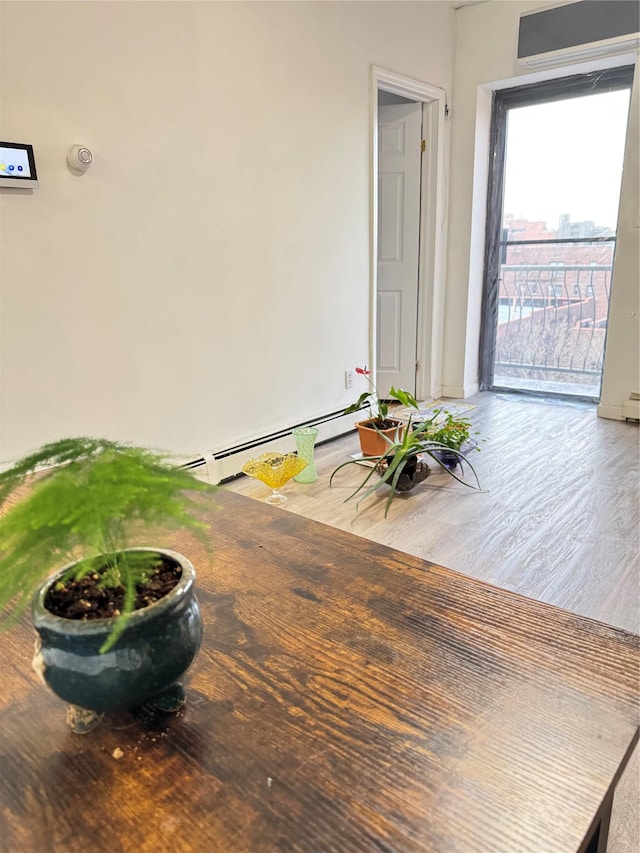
117	625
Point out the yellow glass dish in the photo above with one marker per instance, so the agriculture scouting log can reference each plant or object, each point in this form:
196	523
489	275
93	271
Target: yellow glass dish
274	470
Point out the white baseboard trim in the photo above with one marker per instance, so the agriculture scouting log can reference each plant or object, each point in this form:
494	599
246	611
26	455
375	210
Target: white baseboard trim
460	391
452	391
470	390
613	413
215	466
629	410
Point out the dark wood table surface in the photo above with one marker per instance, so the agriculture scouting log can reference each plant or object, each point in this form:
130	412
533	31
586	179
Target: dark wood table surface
347	697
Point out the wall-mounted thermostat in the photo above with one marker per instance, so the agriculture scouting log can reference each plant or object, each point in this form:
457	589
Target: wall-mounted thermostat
17	166
79	158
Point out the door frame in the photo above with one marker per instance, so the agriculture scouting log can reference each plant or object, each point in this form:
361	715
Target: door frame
432	257
571	84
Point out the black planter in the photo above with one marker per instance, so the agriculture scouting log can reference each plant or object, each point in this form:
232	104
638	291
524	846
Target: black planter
413	472
153	652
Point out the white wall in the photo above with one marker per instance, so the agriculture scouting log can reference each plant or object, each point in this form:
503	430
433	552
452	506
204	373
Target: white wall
207	280
484	63
622	363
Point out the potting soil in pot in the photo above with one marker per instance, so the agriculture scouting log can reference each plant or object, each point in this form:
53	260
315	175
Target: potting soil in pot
86	599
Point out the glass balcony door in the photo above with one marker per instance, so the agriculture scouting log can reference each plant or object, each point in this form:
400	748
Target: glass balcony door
553	208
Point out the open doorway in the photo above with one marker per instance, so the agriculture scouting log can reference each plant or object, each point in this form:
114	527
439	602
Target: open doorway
554	190
407	240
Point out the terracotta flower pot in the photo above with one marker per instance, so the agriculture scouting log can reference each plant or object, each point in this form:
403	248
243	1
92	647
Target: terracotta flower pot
155	649
372	442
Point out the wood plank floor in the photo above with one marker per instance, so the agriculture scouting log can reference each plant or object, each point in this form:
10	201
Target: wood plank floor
558	521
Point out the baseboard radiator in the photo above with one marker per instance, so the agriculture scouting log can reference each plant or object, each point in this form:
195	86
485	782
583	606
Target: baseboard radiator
216	466
631	407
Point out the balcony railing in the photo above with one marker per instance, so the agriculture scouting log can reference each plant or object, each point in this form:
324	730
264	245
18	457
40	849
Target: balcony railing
552	322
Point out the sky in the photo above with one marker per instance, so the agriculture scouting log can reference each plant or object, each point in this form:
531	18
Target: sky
566	157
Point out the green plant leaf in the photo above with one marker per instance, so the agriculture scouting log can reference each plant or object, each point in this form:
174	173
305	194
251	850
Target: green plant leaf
403	397
360	402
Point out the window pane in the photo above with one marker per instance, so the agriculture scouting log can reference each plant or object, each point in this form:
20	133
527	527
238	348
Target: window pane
563	167
553	304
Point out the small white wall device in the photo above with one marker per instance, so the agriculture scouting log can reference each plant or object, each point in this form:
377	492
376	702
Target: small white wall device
79	158
17	166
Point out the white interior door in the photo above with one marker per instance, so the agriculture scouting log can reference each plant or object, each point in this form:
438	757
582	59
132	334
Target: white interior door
399	164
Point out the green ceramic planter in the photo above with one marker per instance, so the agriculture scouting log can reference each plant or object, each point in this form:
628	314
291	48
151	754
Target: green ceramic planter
153	652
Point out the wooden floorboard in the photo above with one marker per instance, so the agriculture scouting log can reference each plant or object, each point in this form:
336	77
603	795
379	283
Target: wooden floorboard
557	520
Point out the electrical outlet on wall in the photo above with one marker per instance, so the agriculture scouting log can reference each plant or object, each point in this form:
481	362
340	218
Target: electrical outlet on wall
348	379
